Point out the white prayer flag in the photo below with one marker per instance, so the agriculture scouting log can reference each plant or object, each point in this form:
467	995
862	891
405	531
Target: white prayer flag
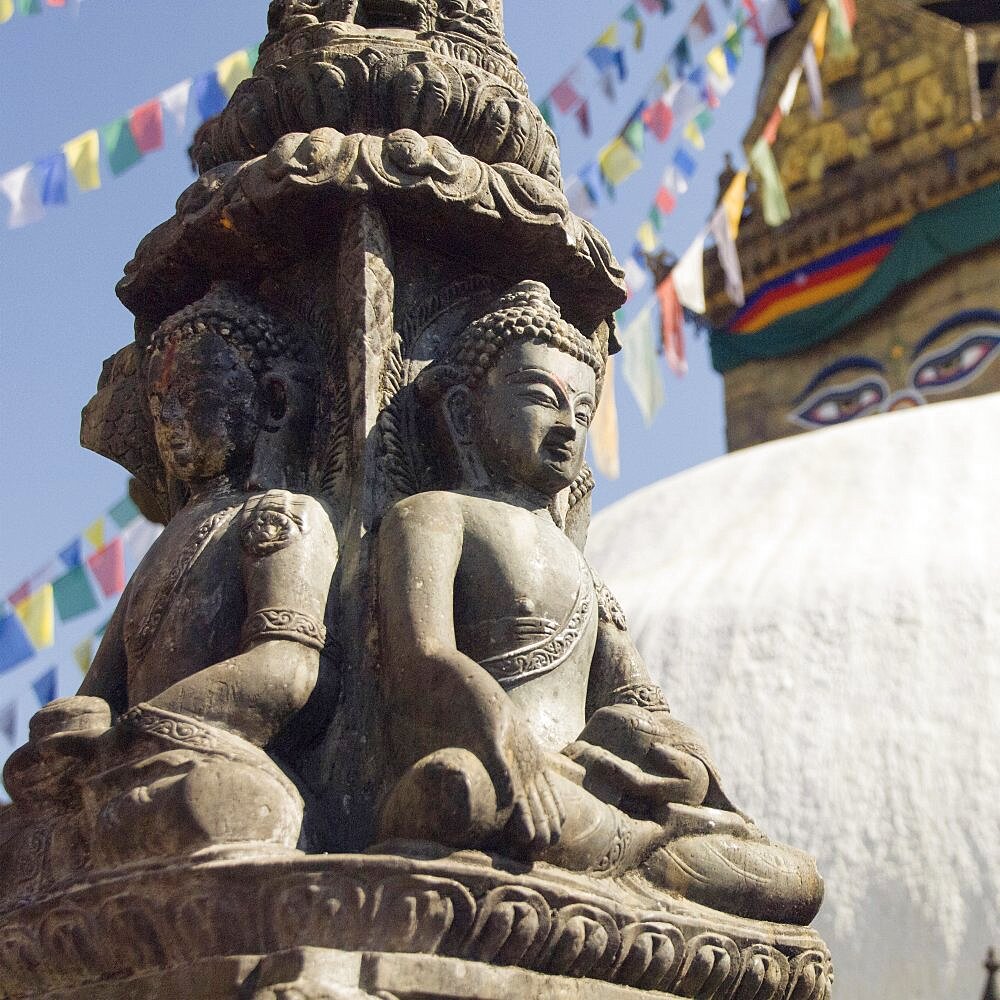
640	365
773	17
728	256
175	101
813	79
689	276
18	186
787	98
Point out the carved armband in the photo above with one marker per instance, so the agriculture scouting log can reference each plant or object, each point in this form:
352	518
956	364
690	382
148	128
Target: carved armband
608	606
283	623
647	696
272	522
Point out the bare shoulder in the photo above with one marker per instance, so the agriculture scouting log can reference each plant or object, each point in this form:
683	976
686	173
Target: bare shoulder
439	510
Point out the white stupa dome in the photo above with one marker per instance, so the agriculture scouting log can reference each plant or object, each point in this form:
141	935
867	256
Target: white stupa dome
826	610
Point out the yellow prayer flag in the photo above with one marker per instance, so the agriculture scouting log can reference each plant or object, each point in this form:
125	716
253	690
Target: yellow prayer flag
646	235
37	614
693	135
609	39
83	653
95	533
82	155
604	428
716	61
232	71
618	162
818	33
6	10
733	201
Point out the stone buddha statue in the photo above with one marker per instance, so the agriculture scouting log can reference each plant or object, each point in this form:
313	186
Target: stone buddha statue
523	720
175	742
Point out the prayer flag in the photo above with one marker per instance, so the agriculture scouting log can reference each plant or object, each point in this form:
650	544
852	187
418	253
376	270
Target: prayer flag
94	533
636	276
770	133
818	33
108	566
773	17
52	178
174	101
733	201
646	235
674	181
666	202
29	6
590	176
680	56
71	555
684	100
15	646
655	218
146	125
82	155
6	10
655	6
701	26
37	614
565	95
18	187
704	120
787	99
253	56
546	110
813	79
718	71
8	721
582	115
689	275
686	164
606	59
83	653
776	210
45	686
121	148
139	537
578	196
672	326
753	19
639	364
659	119
23	590
634	18
209	97
232	71
604	427
693	134
618	162
124	512
733	46
728	257
100	632
839	39
73	594
635	132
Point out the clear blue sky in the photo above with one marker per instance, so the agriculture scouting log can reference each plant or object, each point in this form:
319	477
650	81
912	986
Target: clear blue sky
62	73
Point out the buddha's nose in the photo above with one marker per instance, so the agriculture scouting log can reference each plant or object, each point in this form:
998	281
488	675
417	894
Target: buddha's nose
904	402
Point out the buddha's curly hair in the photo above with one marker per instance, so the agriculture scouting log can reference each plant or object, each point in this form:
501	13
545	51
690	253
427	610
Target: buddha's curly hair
260	337
525	313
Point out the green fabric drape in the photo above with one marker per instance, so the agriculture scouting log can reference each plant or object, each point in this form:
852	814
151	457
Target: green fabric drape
928	240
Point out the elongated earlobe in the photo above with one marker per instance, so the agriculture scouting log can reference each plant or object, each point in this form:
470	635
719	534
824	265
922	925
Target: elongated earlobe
458	413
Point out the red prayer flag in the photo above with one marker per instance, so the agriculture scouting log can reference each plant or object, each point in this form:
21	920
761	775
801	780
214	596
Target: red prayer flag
22	593
659	119
108	566
583	117
56	3
665	200
565	95
146	126
850	12
753	19
672	326
770	132
653	6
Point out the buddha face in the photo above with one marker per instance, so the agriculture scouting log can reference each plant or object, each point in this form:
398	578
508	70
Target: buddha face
202	397
528	418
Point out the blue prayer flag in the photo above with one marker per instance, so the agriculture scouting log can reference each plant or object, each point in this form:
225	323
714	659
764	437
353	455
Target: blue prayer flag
685	163
45	686
52	174
15	646
209	97
71	555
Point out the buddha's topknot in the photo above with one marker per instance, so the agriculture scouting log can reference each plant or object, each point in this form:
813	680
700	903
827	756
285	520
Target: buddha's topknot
260	337
525	313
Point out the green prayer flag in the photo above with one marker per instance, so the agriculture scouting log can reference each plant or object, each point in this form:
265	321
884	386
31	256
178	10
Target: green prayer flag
635	135
776	210
655	219
120	145
73	594
253	54
546	109
705	119
124	512
734	42
100	632
29	6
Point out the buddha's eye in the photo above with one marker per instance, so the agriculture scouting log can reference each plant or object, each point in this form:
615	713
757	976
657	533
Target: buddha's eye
540	397
961	363
584	416
841	403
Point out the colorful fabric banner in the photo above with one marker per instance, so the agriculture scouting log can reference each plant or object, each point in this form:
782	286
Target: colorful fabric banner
618	162
73	594
108	566
82	157
702	26
689	275
94	533
773	17
15	646
658	117
728	256
120	145
814	80
18	187
37	614
693	135
6	10
603	435
175	100
232	71
46	686
83	654
639	364
53	179
776	210
72	554
672	326
734	201
146	125
208	96
124	512
840	38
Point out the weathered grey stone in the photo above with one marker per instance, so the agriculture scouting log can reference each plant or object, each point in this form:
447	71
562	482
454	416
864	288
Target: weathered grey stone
366	723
